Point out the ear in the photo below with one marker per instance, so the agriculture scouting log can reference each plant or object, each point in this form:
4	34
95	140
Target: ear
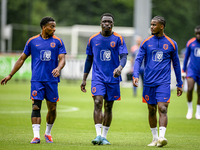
162	26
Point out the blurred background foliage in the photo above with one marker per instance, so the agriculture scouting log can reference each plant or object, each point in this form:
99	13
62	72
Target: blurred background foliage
181	16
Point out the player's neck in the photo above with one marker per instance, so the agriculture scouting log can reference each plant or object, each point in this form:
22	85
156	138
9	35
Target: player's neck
44	36
160	34
106	33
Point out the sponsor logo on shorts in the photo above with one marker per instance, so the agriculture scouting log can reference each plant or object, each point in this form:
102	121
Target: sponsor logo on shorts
93	89
146	97
34	93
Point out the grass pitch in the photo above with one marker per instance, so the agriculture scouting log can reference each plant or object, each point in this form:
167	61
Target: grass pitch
74	127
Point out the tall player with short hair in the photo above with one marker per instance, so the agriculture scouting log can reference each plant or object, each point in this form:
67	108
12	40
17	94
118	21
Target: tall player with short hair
158	51
192	71
103	52
45	50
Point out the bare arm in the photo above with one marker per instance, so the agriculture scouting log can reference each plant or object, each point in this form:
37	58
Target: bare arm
16	67
61	64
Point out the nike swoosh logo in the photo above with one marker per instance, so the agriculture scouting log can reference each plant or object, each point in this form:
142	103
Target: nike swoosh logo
150	45
165	98
97	44
38	45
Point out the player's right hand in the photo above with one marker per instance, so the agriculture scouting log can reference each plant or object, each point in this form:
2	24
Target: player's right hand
135	82
183	74
83	84
5	80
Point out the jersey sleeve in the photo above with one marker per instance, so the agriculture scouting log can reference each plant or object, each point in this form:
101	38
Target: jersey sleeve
138	62
62	49
122	47
89	48
176	65
187	55
27	48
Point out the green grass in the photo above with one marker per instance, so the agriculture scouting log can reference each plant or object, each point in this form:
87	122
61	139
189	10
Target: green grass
74	130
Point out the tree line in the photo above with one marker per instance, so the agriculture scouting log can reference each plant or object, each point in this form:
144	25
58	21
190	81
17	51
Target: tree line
181	16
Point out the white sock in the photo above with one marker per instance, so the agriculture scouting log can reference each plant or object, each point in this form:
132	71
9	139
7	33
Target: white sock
48	129
162	131
36	130
154	132
105	131
98	129
190	106
198	109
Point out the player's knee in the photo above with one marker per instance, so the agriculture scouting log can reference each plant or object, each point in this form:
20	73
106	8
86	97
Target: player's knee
163	109
36	105
108	106
36	108
52	109
36	113
98	104
152	110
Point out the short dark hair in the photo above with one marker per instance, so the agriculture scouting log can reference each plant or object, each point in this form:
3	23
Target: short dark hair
108	14
45	20
197	27
160	19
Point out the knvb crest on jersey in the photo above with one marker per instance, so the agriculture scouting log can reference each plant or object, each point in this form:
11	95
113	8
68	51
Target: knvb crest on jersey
197	52
105	55
157	55
112	44
53	44
45	55
165	46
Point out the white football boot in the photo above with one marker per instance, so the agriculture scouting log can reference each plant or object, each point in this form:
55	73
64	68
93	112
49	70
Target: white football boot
161	142
153	143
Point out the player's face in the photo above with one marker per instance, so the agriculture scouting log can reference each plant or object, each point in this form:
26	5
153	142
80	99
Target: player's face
50	28
107	23
156	27
197	33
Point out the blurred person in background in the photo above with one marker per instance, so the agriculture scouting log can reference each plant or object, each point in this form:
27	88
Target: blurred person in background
134	52
103	51
191	71
48	58
158	51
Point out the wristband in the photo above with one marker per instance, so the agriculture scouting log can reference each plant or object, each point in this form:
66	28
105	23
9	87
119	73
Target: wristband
10	75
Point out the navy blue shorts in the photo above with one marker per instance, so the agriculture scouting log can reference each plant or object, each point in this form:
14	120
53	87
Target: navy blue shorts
153	95
44	90
110	91
192	74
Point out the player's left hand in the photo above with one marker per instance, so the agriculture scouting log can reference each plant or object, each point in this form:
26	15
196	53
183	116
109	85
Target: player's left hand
56	72
83	84
179	91
117	72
